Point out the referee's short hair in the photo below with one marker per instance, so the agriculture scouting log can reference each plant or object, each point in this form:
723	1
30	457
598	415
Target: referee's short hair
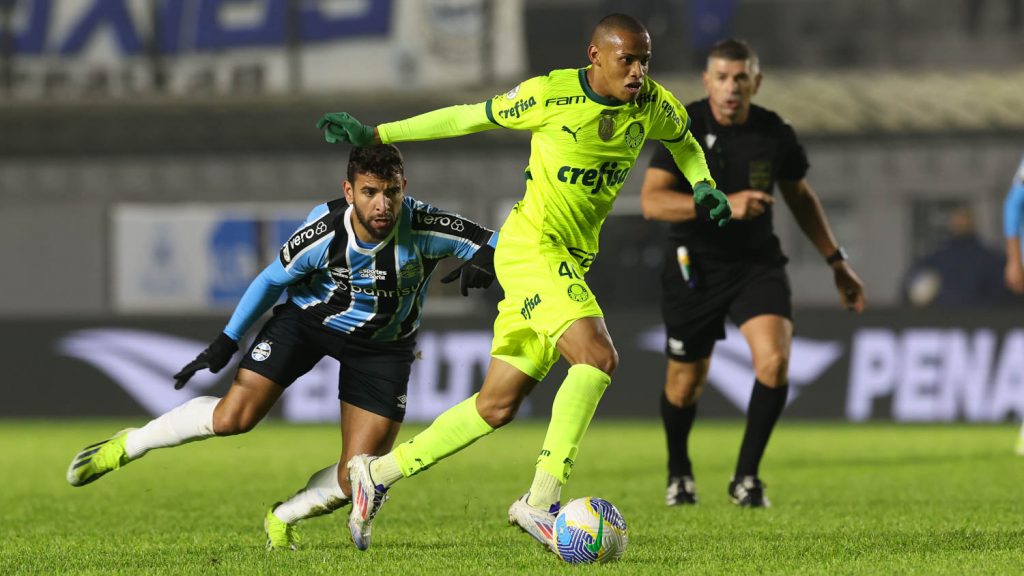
380	160
735	50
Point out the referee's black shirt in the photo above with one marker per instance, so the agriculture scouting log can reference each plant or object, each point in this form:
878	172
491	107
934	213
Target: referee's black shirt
754	155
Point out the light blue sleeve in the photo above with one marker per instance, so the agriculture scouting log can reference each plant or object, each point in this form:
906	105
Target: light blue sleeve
317	211
442	233
266	288
1013	208
258	298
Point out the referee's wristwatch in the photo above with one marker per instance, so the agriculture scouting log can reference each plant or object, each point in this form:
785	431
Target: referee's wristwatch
838	256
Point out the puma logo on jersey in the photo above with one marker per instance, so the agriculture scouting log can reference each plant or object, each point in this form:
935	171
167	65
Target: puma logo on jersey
572	132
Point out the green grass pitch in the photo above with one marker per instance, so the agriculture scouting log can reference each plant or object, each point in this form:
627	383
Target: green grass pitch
848	499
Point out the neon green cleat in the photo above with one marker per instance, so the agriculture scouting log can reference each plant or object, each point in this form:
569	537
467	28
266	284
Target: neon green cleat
97	459
280	534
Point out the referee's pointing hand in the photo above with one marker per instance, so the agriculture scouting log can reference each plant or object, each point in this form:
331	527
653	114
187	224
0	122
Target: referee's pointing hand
749	204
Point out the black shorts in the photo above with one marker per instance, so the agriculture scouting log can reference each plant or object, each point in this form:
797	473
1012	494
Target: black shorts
695	315
374	375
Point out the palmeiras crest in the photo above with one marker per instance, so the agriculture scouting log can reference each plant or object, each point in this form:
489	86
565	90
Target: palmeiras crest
635	135
606	124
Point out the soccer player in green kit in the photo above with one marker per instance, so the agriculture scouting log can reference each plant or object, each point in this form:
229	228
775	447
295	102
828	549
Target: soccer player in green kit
588	127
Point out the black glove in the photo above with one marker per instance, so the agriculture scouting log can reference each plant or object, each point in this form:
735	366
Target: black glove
216	356
477	272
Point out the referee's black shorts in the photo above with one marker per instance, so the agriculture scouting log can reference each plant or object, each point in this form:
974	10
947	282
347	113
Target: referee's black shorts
695	315
374	376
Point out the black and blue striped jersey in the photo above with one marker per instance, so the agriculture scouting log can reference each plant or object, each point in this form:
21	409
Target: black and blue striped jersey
373	292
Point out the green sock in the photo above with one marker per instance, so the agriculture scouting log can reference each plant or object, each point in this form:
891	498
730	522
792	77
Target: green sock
571	412
456	428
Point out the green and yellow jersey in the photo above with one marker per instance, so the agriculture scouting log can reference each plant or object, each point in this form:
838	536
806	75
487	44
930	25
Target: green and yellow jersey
583	147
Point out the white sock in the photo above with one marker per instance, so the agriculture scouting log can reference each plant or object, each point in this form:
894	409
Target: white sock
322	495
545	490
191	421
385	470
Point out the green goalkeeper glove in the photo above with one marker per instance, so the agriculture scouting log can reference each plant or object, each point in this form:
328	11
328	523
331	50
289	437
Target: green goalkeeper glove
714	200
342	127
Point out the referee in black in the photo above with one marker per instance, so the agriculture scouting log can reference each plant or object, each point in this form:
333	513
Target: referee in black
737	271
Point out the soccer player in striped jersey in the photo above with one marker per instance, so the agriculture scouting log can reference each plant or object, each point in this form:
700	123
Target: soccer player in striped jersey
1013	224
588	126
356	273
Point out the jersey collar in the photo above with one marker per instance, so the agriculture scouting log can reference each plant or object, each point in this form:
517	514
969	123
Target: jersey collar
602	100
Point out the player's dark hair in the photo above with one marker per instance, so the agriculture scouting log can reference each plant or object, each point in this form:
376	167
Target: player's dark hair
380	160
619	21
734	50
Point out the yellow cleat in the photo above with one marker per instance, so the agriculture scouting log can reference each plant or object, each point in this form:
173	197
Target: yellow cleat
280	534
95	460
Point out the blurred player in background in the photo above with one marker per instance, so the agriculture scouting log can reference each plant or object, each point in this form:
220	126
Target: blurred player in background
737	271
356	273
960	271
1013	223
588	125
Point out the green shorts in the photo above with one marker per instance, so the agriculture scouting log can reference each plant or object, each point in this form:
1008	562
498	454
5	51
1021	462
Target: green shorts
544	294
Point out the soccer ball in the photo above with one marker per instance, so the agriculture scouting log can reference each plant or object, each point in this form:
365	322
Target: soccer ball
590	530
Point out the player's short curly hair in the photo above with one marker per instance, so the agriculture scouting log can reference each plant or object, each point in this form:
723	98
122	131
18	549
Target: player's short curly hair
380	160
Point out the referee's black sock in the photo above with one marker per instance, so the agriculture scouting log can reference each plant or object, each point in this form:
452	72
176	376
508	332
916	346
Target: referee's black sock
678	422
766	405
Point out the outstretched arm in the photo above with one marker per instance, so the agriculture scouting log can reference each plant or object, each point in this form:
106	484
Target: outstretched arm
441	234
261	294
807	210
442	123
516	109
304	252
